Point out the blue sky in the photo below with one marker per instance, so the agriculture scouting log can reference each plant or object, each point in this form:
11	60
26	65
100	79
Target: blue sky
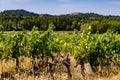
106	7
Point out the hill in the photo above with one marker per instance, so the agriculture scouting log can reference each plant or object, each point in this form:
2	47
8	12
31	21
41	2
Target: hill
22	12
19	12
83	15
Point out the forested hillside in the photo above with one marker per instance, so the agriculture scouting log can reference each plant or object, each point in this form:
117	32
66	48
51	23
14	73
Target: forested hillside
18	12
24	20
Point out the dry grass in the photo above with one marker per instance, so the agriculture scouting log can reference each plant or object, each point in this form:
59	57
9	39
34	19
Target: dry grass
59	74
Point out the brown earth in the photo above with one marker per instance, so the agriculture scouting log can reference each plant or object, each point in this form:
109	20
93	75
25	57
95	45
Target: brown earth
8	72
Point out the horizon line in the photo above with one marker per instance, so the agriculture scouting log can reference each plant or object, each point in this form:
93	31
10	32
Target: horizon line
60	13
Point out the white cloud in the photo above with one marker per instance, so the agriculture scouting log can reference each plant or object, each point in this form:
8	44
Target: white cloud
12	1
14	4
68	6
75	5
114	2
64	0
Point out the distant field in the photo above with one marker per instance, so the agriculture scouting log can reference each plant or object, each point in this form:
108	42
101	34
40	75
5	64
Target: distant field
61	33
69	32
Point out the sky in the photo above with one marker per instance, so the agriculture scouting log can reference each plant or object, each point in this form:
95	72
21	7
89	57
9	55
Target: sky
56	7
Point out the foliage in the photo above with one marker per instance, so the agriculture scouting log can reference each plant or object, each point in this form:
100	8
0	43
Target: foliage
96	49
100	24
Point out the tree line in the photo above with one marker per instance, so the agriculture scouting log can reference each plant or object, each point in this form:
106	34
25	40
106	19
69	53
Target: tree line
99	24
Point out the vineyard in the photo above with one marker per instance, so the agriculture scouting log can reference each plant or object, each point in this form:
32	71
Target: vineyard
49	53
